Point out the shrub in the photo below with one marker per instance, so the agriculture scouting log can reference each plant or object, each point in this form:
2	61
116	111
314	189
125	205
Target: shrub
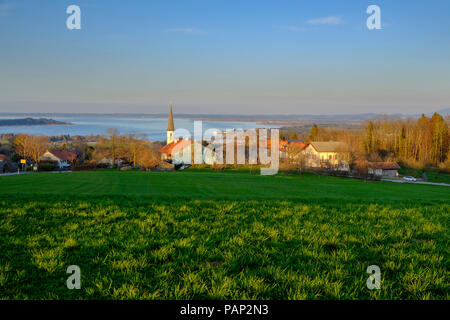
45	166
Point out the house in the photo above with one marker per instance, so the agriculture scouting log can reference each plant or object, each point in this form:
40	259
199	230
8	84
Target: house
282	145
293	150
383	169
6	165
177	152
62	158
327	154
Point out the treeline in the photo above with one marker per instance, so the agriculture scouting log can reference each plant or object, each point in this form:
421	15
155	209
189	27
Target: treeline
422	142
131	148
417	143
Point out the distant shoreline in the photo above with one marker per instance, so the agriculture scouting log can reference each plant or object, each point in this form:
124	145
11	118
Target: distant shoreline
31	122
281	120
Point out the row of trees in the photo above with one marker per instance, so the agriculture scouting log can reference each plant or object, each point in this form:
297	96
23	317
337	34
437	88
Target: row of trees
416	142
132	148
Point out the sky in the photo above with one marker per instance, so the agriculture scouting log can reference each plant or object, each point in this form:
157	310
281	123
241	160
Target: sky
225	57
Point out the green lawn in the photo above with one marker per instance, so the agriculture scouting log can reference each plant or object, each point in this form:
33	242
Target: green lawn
214	234
214	185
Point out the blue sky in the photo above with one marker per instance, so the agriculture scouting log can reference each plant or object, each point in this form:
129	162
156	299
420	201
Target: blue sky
215	56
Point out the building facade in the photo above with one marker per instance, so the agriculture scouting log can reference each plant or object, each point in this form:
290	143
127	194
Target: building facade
327	155
383	169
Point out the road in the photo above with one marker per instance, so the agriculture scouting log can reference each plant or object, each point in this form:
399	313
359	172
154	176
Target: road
417	182
13	173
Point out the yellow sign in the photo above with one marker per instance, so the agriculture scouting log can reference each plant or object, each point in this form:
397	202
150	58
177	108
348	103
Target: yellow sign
23	161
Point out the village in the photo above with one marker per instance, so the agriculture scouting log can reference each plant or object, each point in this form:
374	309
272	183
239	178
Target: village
220	159
27	153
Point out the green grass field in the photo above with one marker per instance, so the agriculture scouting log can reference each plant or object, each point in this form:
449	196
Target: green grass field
221	235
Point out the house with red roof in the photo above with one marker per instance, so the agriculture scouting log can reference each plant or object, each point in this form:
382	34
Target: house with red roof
62	158
292	150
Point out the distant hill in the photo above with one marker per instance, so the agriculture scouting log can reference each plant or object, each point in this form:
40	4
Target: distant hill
220	117
31	122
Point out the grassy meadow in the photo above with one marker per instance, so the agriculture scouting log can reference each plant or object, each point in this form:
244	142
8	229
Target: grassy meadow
201	234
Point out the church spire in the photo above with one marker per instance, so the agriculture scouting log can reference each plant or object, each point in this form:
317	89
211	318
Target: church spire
170	126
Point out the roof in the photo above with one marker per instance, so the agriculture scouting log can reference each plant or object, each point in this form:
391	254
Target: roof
289	141
296	144
63	154
329	146
281	144
170	126
175	146
384	165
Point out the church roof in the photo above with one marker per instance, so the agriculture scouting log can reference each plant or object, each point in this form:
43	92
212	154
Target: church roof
170	126
175	146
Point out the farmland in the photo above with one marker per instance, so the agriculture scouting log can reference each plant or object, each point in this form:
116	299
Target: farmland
220	235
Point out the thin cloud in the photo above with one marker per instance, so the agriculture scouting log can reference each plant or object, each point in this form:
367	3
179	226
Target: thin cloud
5	8
326	20
185	30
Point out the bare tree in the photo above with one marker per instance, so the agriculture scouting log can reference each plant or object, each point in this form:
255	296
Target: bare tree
130	147
148	158
296	155
113	141
31	147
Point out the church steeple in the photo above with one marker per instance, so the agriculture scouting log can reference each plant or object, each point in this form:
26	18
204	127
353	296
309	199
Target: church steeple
170	127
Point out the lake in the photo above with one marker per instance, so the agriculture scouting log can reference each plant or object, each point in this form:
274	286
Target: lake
154	129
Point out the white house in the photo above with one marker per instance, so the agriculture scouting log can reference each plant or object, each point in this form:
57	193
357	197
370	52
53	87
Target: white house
327	154
62	158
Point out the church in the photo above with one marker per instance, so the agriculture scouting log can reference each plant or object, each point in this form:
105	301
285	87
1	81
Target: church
176	150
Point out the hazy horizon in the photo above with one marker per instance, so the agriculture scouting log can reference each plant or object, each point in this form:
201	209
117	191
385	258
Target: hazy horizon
165	113
234	57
